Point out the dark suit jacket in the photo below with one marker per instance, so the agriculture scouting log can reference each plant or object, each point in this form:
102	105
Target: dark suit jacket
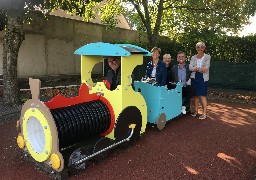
169	74
161	72
175	73
110	75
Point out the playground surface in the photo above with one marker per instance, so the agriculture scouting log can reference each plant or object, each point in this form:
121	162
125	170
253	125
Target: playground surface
223	146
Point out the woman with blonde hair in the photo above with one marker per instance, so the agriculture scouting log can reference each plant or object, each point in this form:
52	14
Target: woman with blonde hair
199	65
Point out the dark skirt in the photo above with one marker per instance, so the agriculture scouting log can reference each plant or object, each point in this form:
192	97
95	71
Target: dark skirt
199	84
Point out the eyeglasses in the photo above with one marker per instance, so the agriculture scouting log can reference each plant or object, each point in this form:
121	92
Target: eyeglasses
112	61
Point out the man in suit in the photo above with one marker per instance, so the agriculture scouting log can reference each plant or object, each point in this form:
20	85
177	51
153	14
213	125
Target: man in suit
181	73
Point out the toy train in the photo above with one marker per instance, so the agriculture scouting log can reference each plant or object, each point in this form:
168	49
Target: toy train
65	133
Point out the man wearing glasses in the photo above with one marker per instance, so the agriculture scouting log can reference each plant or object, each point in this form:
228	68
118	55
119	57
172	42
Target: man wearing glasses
114	74
181	73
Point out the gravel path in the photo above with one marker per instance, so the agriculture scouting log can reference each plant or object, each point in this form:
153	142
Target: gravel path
221	147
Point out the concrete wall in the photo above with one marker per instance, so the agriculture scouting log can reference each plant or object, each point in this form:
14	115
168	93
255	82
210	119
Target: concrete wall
49	45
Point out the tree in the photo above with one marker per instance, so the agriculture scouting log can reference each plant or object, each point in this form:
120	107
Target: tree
16	12
12	42
175	18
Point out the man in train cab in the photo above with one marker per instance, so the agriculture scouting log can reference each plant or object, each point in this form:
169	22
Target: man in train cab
114	74
181	73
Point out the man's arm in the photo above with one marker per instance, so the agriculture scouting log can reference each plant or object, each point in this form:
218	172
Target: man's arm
173	73
164	74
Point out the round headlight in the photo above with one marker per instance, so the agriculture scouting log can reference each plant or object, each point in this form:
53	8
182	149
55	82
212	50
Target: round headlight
37	134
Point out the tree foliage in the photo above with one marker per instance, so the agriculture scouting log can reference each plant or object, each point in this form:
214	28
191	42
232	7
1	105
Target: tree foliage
179	18
13	14
109	11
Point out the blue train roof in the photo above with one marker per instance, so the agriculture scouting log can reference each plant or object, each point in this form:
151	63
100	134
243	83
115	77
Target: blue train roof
107	49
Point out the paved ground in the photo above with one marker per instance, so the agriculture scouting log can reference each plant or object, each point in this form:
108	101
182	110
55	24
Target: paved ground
8	112
221	147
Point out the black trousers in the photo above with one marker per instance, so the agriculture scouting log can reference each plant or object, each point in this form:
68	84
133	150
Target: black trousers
187	92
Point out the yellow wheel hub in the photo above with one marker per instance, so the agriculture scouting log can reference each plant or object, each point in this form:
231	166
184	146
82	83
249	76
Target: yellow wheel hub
55	161
20	142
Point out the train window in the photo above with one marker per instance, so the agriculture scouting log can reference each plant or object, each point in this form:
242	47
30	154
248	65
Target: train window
97	72
112	71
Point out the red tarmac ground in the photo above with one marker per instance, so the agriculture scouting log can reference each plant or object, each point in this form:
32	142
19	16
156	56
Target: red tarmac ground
221	147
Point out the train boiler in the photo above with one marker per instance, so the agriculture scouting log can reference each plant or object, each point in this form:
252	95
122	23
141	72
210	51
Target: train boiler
66	133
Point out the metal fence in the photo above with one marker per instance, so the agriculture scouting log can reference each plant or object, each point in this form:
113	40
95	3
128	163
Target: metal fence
233	75
223	74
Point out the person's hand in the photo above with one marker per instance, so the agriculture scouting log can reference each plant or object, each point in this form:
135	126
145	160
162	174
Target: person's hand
188	82
89	87
18	124
148	79
203	69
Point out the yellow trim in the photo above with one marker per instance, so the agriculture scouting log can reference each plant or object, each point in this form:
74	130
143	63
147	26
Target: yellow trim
129	96
124	95
132	126
55	161
44	155
87	64
20	142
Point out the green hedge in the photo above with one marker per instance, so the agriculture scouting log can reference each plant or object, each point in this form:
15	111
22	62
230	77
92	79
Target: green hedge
221	48
233	49
230	48
232	65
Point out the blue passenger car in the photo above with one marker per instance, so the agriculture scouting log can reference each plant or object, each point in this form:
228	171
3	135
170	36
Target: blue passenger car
162	104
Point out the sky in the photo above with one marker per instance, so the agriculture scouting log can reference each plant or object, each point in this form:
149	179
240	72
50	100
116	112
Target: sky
248	29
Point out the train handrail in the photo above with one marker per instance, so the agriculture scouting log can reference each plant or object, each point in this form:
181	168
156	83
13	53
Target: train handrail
132	126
